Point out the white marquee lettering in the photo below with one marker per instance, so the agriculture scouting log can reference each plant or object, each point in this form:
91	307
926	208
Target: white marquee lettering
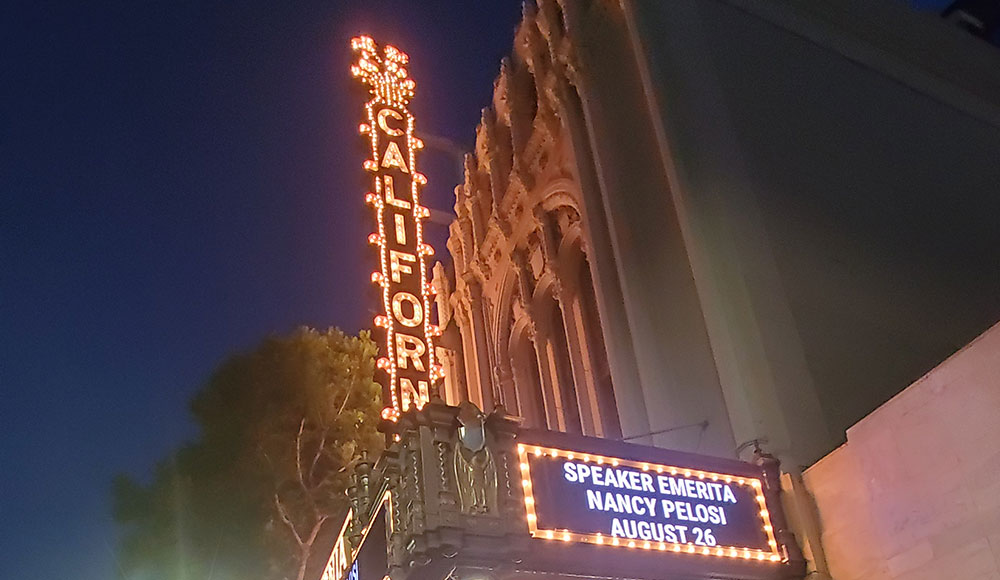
650	531
409	348
641	505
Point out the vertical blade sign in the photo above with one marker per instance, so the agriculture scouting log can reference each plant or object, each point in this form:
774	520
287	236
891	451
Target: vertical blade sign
395	197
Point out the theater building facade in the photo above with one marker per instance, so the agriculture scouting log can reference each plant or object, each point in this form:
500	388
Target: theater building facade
696	243
699	224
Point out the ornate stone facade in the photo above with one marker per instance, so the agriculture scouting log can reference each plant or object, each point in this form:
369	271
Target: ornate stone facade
694	224
523	299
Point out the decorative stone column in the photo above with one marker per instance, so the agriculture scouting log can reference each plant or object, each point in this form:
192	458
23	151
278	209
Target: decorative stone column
553	417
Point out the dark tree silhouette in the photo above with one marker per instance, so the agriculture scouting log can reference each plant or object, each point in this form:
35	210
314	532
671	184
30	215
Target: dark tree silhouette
257	495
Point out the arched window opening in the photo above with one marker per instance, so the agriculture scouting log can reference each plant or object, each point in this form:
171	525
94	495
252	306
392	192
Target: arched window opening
562	370
531	404
598	353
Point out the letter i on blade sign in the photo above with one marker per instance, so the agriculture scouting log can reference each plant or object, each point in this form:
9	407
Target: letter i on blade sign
408	344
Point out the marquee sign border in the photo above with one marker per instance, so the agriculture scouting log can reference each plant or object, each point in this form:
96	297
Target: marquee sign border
344	554
731	552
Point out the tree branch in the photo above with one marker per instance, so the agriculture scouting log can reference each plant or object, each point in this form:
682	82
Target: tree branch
317	455
288	521
298	469
316	528
347	397
305	549
298	455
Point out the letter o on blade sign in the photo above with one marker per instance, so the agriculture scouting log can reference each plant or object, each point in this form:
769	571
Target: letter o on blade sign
397	309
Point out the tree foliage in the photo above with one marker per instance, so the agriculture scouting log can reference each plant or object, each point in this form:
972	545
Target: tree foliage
259	493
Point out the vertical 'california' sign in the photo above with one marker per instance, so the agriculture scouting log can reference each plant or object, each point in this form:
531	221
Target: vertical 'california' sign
395	197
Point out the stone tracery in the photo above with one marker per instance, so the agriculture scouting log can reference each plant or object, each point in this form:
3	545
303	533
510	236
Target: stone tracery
523	297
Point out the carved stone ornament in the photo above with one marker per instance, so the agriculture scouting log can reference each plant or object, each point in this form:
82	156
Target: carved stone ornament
475	469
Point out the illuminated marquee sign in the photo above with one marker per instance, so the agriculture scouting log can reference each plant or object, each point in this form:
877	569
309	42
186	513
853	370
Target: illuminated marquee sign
395	197
367	561
573	496
340	558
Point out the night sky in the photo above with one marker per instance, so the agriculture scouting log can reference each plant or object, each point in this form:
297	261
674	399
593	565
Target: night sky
179	180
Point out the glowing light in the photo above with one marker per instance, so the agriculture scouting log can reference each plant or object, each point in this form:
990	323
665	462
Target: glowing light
406	296
526	451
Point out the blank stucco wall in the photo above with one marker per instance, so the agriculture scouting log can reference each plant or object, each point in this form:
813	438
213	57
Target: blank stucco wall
915	492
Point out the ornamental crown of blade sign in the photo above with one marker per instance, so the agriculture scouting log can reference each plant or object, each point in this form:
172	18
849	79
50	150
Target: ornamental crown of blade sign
385	73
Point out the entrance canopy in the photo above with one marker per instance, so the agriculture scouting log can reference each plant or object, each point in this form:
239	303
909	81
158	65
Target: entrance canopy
472	496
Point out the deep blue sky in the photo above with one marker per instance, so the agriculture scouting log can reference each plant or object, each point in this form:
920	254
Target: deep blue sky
180	179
